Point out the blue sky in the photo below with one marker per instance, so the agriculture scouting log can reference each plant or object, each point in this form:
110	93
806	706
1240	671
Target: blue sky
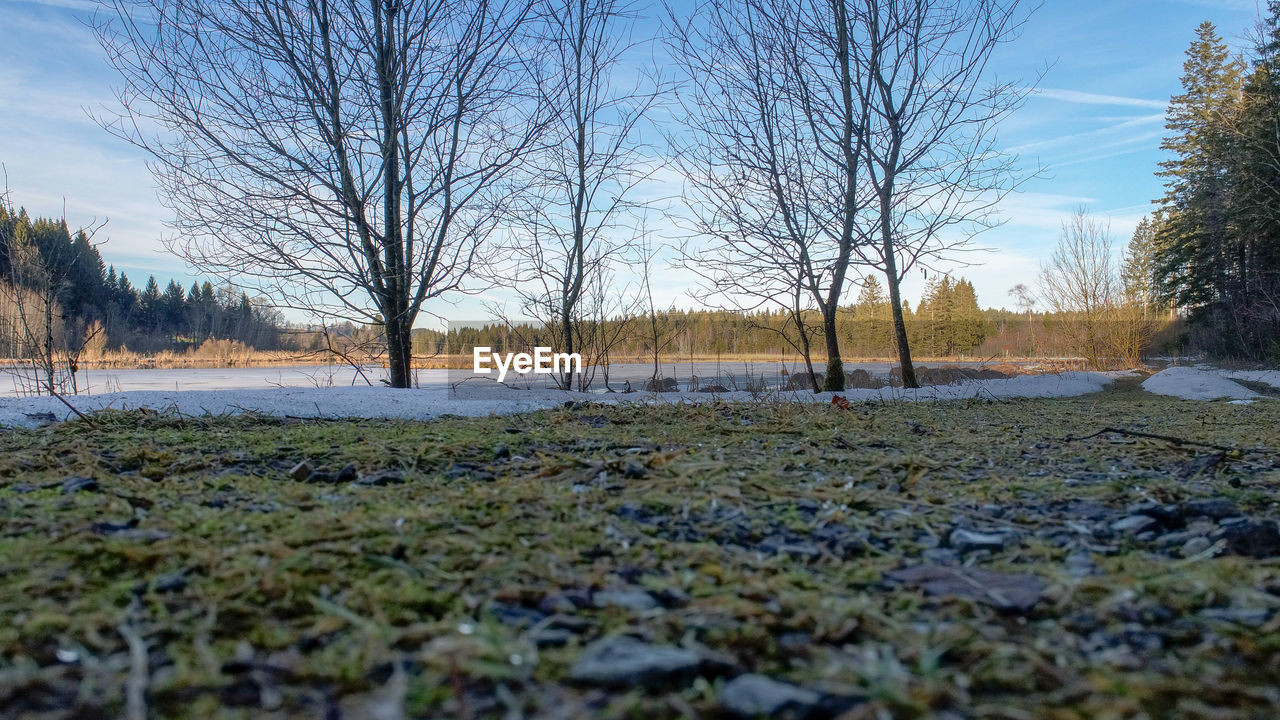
1095	127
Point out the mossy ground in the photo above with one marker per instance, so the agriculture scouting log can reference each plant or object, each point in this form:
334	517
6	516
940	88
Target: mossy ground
254	594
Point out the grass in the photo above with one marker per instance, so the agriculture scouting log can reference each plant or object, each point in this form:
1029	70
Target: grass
245	591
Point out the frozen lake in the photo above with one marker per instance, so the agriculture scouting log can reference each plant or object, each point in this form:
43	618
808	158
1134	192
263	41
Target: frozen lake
97	382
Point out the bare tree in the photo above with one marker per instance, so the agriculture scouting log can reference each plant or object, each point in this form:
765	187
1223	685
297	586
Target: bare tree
612	312
658	336
931	154
578	221
1081	284
348	158
1026	302
772	164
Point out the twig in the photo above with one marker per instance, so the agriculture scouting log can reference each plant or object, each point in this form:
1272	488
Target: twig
135	699
1175	441
63	400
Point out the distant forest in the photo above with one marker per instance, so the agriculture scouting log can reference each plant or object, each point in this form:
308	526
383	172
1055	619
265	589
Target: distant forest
947	322
43	259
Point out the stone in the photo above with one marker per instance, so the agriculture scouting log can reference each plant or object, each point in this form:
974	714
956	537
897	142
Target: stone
1170	516
1011	593
1211	508
1134	524
1248	617
552	637
941	556
1255	538
382	477
625	662
756	696
564	601
778	544
468	471
78	484
302	471
1080	565
129	531
172	582
628	598
1195	546
671	597
516	615
964	541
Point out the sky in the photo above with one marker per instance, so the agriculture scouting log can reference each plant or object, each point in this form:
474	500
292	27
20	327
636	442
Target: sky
1106	70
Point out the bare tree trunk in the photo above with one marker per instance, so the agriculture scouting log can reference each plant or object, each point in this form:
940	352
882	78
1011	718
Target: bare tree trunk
900	329
399	353
834	380
806	353
890	264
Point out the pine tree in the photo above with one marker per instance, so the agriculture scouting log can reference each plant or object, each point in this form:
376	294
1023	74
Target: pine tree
968	329
173	306
1193	241
149	304
872	332
935	312
1138	268
1254	315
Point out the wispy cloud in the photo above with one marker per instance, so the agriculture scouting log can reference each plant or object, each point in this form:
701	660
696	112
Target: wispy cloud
1088	98
1110	130
1243	5
1100	156
84	5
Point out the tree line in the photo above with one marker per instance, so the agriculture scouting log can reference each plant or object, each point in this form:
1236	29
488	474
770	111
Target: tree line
946	322
50	274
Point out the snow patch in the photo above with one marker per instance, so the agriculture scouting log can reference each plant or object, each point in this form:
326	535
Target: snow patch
1267	377
1198	384
477	399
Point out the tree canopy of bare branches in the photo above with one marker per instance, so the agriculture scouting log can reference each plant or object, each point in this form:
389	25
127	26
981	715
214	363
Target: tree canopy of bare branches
348	158
578	220
1081	284
833	133
931	154
771	90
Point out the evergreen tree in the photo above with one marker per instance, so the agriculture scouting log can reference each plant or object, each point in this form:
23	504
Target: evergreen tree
872	333
935	316
1138	268
1193	240
173	307
149	304
968	329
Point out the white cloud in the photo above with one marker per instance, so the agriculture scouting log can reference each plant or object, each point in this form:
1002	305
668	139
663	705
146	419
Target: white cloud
1143	121
1088	98
84	5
